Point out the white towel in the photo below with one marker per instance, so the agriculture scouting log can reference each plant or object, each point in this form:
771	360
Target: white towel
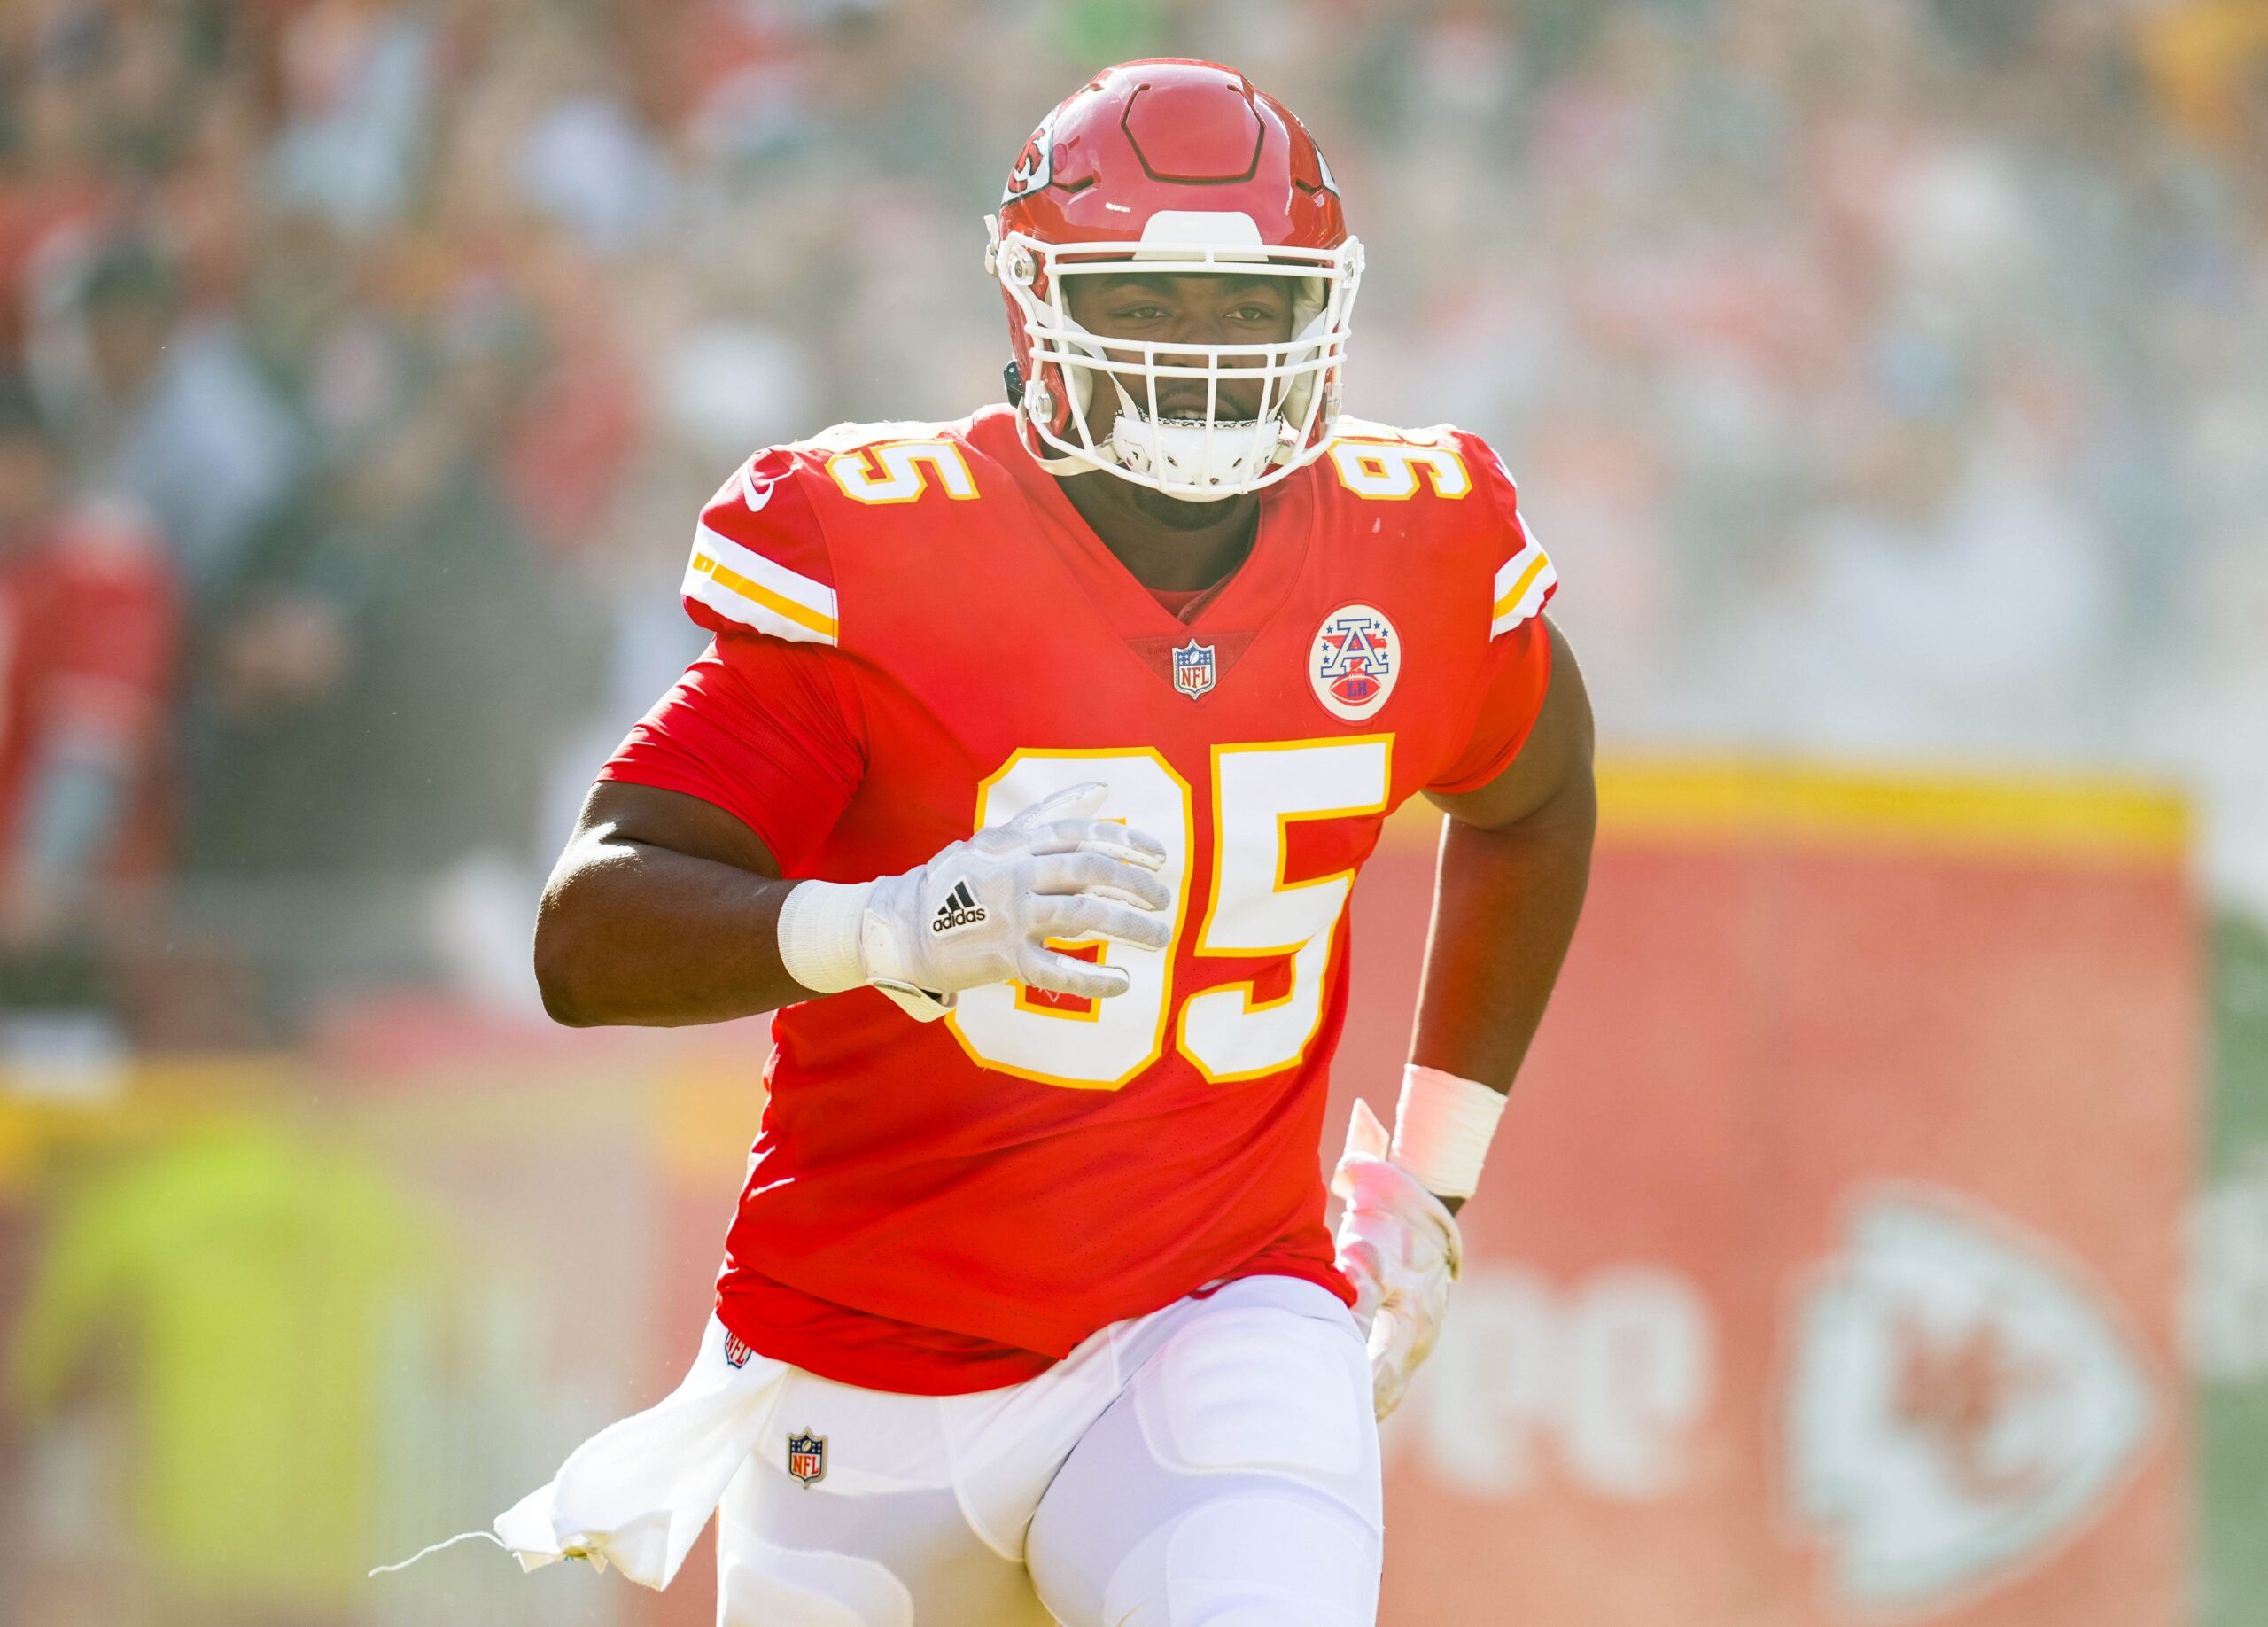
638	1492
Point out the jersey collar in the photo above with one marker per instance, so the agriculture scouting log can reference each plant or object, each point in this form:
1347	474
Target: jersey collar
1254	592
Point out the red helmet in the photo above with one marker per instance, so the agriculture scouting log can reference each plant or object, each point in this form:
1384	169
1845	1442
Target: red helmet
1182	167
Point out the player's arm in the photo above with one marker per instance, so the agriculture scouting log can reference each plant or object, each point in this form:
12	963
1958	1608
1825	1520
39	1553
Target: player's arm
669	906
1515	862
666	910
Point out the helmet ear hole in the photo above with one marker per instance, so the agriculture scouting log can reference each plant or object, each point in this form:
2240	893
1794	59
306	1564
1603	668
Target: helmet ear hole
1013	378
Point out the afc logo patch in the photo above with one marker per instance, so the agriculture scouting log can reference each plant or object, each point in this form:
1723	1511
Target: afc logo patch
807	1457
1355	662
1193	669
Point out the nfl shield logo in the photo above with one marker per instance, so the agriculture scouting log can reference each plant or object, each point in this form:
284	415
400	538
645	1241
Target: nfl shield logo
807	1457
736	1350
1192	668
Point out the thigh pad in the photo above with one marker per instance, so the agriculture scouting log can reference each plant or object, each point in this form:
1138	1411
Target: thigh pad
1260	1390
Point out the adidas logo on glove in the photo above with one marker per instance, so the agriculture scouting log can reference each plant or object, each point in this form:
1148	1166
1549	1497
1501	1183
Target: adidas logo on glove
960	909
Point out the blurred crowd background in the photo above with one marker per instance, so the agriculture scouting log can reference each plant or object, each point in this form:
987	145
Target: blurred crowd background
1889	378
1892	378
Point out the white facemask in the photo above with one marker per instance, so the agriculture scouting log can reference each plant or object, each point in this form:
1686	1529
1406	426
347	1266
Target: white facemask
1197	459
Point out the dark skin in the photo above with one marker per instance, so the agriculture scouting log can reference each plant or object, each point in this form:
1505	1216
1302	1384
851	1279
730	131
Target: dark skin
662	910
1166	542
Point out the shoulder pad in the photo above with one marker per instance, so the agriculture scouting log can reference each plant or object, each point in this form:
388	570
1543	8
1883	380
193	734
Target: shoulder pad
852	436
1527	579
1380	460
1366	429
760	557
881	465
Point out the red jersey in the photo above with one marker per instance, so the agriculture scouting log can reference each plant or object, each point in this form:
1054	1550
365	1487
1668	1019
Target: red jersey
88	620
917	635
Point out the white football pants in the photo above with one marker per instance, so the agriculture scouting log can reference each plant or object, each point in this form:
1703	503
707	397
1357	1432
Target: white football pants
1214	1464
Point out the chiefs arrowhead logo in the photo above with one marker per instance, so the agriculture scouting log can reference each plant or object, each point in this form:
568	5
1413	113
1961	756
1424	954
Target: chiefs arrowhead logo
1033	169
1961	1400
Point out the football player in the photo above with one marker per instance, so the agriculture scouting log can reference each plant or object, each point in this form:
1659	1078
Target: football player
1027	776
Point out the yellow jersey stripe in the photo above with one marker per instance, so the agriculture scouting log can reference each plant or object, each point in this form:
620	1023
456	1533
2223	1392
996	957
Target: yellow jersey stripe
757	593
1518	590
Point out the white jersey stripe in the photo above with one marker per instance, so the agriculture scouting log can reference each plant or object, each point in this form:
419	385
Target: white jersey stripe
731	602
774	578
1515	568
757	592
1522	585
728	593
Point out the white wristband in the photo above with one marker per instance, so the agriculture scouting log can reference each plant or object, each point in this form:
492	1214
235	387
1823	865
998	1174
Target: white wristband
1443	1126
819	923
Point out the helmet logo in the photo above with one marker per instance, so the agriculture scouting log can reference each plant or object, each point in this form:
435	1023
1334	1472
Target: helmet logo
1035	167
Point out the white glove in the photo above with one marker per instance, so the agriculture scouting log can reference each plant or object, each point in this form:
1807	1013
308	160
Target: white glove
983	909
1398	1245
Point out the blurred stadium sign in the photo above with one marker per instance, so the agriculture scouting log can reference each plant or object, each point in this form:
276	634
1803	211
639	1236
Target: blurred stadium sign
1960	1400
1602	1383
1829	1272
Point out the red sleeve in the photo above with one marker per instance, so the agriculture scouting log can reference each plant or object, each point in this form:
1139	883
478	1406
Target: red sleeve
114	652
1509	693
760	559
771	732
1511	689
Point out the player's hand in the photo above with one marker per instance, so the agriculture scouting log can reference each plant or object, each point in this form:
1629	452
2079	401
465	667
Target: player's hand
982	910
1398	1245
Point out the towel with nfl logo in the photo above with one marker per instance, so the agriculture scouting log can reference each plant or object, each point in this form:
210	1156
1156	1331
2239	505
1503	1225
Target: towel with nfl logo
637	1494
